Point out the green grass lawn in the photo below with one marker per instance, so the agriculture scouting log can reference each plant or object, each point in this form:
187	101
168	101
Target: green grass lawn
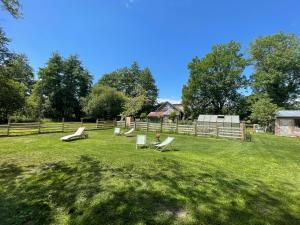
105	180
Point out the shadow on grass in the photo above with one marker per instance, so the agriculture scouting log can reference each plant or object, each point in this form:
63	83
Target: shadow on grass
89	193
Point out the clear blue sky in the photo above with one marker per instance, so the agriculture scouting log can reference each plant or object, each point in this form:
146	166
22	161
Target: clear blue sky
163	35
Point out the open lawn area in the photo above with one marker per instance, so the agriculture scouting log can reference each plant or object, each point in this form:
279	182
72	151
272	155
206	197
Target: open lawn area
105	180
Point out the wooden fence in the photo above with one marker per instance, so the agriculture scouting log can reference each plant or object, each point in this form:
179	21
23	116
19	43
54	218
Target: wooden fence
14	129
236	131
226	130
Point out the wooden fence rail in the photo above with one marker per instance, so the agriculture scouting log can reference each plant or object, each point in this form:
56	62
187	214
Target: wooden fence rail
14	129
236	131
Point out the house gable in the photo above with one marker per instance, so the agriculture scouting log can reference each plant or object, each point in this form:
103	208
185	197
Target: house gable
165	110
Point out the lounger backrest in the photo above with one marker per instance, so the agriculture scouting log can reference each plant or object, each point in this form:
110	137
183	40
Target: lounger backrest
141	140
79	131
130	131
167	141
117	130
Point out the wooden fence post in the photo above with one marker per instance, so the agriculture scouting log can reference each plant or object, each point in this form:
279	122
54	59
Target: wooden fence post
243	130
63	125
8	126
176	131
161	125
81	121
97	122
196	128
147	124
134	123
39	127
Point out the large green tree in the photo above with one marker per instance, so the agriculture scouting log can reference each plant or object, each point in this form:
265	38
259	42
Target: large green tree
263	112
104	102
276	61
63	83
132	81
17	67
215	80
133	106
16	78
12	97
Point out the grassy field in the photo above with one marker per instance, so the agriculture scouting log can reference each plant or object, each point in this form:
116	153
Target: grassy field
105	180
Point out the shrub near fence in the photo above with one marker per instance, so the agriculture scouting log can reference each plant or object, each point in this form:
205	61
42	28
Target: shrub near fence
236	130
14	129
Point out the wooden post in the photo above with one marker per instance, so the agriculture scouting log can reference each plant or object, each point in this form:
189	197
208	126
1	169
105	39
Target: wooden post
134	123
63	125
81	121
147	124
196	128
217	129
8	126
39	128
97	122
243	130
161	125
176	131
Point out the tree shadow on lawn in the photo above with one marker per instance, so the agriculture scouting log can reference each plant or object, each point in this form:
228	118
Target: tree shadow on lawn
89	192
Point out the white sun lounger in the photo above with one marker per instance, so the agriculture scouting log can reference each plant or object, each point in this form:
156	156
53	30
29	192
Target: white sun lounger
168	141
77	135
140	141
129	133
117	131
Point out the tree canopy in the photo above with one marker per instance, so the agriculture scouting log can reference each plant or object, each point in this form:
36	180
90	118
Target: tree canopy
104	102
133	106
276	61
263	112
64	82
16	79
132	81
215	80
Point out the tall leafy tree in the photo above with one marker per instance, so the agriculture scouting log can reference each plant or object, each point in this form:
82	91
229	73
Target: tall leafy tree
276	61
64	82
263	112
51	82
17	68
12	97
104	102
215	80
147	83
132	81
16	78
133	106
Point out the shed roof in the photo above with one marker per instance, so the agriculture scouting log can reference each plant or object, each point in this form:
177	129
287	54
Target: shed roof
288	113
219	118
